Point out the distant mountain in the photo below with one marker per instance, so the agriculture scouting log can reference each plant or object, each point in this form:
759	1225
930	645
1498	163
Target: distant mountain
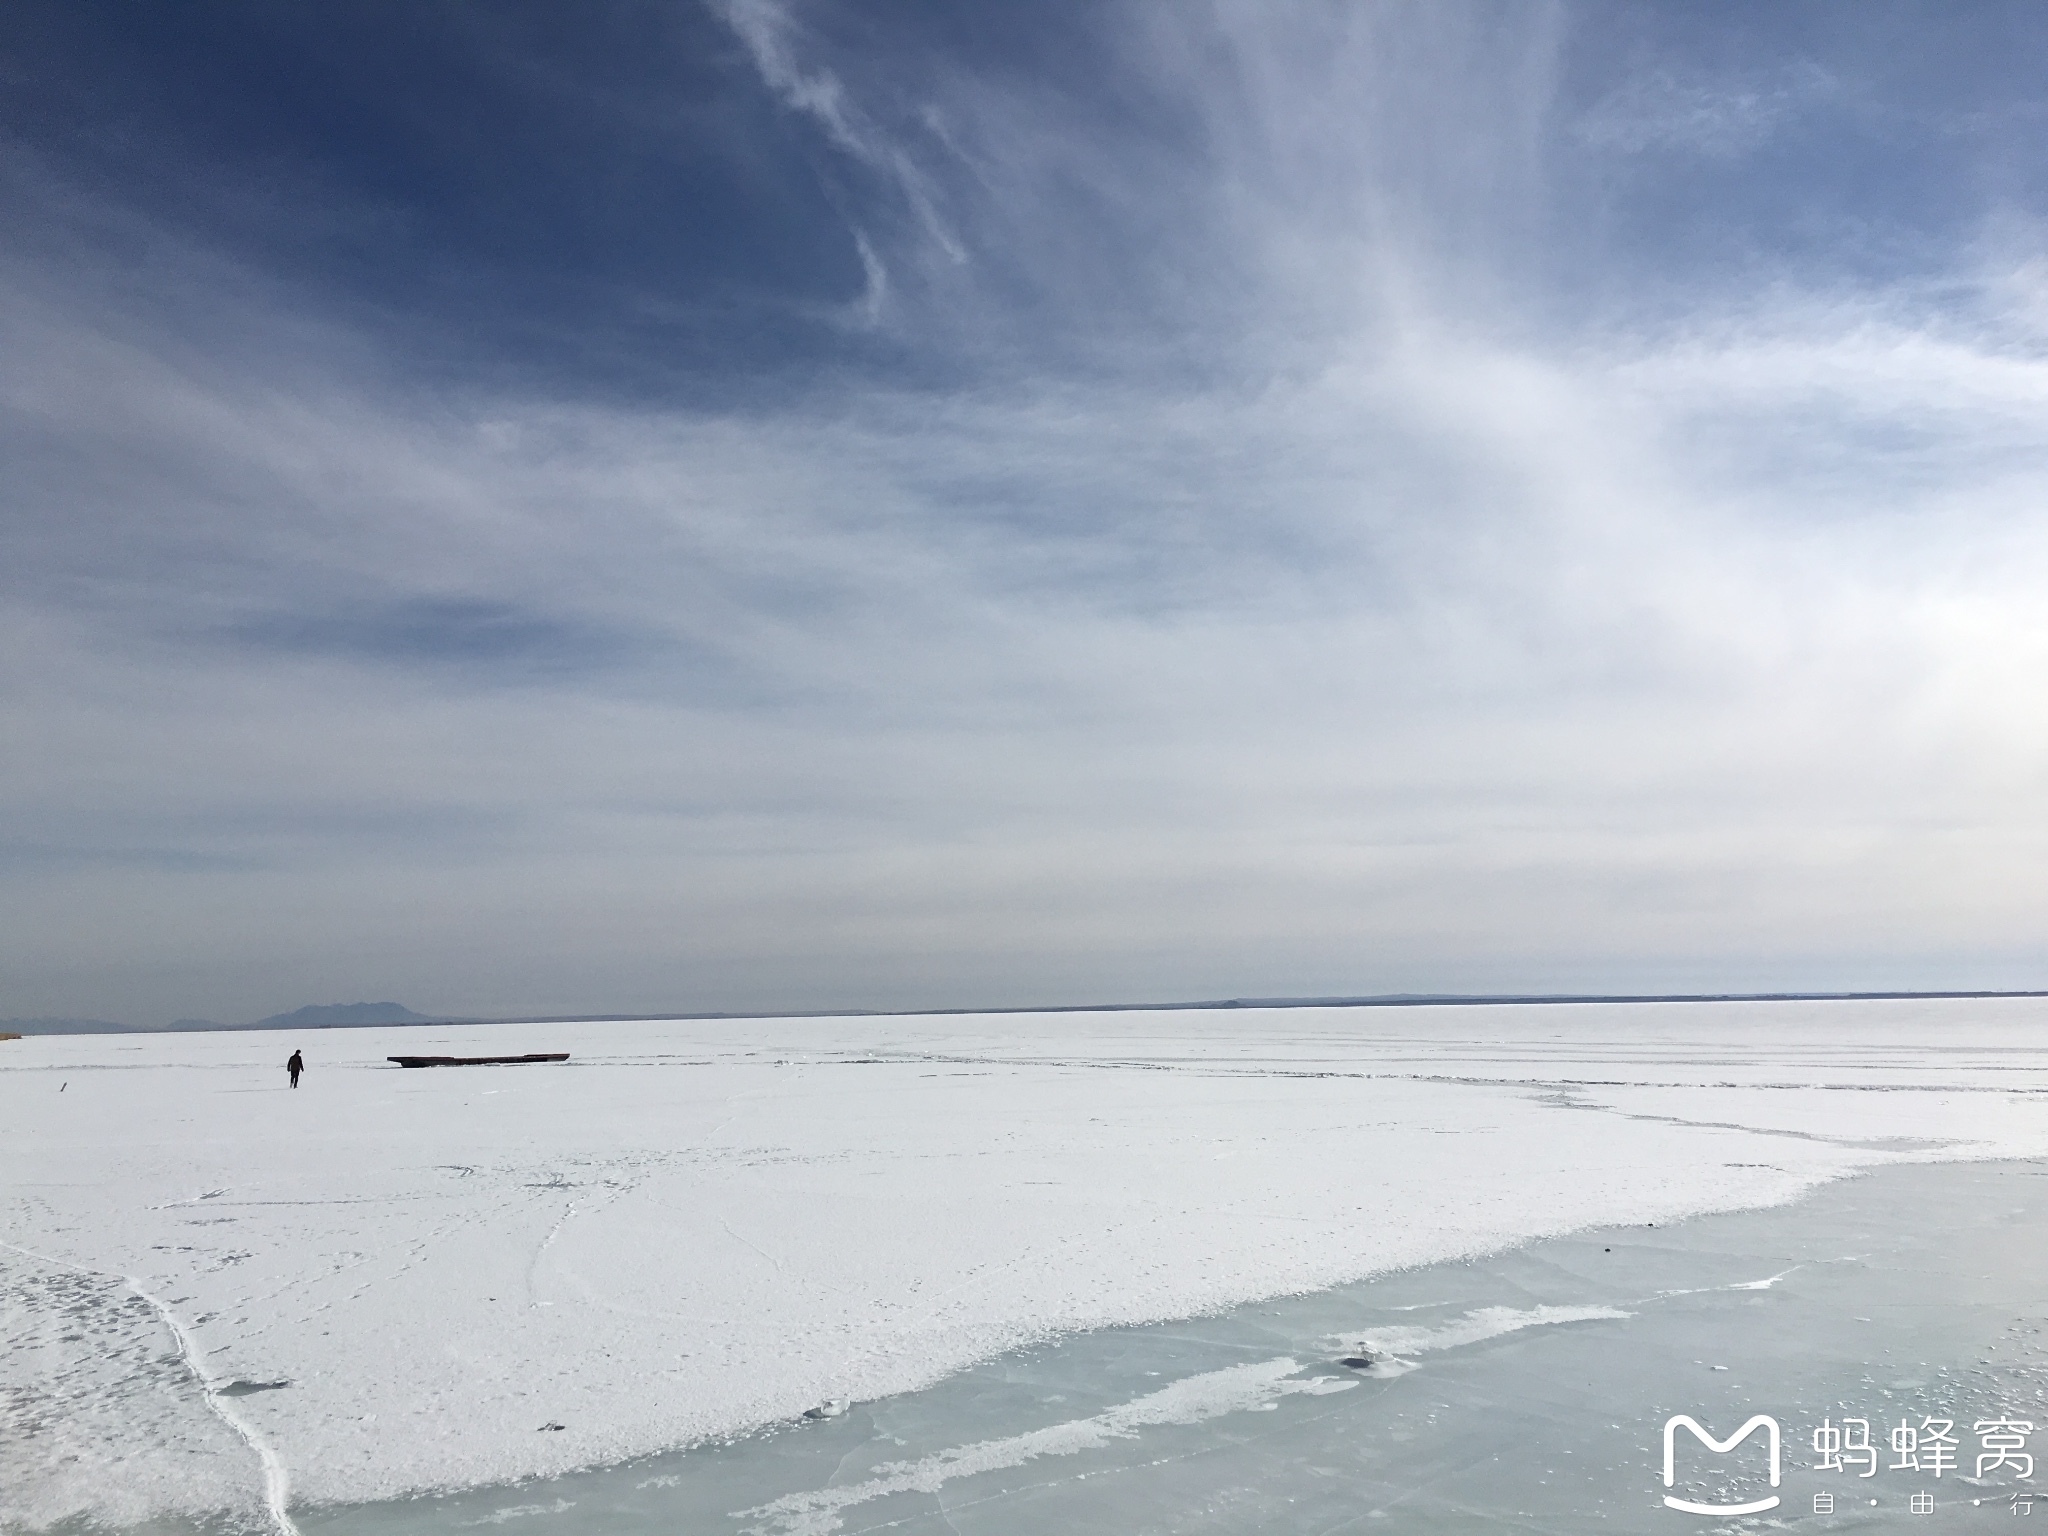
327	1015
63	1027
320	1016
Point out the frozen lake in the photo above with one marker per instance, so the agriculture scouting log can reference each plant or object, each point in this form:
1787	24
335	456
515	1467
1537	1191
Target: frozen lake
231	1304
1508	1402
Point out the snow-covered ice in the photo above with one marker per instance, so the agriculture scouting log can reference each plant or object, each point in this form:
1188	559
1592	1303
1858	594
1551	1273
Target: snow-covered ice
694	1228
1530	1399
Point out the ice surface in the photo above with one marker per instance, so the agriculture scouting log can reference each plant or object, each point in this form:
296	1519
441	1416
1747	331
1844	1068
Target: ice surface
1532	1401
694	1229
1209	1395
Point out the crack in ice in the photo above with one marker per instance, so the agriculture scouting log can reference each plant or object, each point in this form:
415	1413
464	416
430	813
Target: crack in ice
1190	1401
276	1476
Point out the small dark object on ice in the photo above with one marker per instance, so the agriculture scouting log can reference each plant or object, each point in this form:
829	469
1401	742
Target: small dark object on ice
831	1408
551	1424
477	1061
241	1388
1361	1361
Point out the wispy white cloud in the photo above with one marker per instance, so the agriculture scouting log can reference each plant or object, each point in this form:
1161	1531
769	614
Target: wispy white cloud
771	36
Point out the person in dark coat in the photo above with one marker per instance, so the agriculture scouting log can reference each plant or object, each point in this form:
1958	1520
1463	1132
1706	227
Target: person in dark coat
295	1066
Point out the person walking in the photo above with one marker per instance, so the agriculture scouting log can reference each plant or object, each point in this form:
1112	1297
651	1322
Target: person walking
295	1066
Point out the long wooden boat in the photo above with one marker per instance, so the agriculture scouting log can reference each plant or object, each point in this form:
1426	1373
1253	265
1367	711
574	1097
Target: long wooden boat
477	1061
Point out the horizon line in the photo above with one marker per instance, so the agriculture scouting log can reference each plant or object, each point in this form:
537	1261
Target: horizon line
1366	1000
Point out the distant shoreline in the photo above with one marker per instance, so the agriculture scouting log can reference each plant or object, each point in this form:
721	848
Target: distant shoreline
28	1027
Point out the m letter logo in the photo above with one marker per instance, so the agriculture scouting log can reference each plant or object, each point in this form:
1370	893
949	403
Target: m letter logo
1762	1421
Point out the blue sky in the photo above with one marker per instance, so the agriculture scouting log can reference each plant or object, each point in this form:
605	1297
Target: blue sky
761	505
